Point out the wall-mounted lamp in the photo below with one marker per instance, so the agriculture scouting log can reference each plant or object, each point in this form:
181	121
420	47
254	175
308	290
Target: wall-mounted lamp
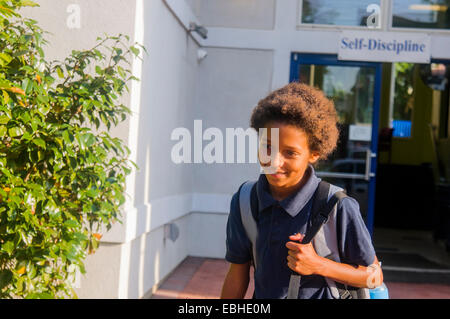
201	54
200	30
171	231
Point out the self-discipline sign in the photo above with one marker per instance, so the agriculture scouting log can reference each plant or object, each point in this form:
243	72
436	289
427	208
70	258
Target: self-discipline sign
380	45
384	47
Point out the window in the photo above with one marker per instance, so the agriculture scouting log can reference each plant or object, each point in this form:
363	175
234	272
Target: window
350	88
332	12
427	14
403	99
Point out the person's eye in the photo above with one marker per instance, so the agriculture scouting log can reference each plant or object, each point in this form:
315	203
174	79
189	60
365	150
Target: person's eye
292	153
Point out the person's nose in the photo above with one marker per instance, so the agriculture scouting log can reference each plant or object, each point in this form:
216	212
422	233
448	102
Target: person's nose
277	160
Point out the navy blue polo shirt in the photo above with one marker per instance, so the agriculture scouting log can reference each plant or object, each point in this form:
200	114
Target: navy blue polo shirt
276	222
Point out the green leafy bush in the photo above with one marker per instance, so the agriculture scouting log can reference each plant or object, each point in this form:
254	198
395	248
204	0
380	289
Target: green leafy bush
62	176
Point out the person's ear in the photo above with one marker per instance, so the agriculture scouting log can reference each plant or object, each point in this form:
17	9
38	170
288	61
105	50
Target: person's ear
314	157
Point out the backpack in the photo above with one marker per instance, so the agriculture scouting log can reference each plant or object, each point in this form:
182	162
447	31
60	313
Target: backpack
321	231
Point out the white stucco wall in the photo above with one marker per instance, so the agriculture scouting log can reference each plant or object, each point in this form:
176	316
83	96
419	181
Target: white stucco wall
207	234
161	192
248	14
231	82
97	18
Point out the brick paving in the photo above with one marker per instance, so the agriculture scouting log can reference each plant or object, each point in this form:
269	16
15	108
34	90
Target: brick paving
399	290
202	278
196	278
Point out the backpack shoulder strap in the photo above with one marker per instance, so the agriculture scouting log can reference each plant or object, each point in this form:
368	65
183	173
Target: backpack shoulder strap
323	206
324	203
248	221
321	209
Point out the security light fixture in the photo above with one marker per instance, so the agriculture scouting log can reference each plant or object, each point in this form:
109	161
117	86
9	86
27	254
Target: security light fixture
171	231
200	30
201	54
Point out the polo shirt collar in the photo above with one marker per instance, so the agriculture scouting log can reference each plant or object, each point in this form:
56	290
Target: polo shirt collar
292	204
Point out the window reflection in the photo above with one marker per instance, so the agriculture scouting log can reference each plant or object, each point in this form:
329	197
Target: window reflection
352	91
427	14
352	88
332	12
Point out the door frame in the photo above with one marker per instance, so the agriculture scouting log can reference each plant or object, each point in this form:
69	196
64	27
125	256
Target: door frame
298	58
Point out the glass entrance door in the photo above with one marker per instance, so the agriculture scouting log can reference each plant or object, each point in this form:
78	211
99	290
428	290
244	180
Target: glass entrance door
355	89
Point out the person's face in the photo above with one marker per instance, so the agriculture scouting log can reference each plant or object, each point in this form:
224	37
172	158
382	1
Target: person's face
289	164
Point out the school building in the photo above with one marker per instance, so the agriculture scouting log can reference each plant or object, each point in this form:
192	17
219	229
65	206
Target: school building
385	63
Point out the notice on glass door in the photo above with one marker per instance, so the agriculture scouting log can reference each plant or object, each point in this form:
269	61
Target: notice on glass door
360	133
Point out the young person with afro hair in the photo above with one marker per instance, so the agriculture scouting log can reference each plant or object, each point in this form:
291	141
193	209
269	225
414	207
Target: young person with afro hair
307	132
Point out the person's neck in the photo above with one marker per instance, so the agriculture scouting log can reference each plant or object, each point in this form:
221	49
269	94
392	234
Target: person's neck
280	193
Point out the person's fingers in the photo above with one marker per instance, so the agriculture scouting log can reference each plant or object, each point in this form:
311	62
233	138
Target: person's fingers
291	267
294	254
291	262
297	237
293	246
